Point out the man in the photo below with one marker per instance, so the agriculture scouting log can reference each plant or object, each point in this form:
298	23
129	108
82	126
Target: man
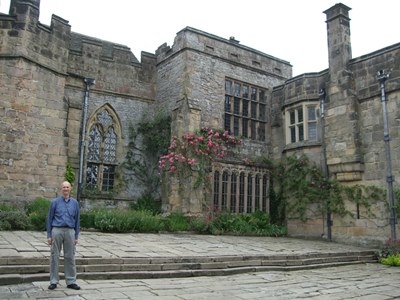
63	226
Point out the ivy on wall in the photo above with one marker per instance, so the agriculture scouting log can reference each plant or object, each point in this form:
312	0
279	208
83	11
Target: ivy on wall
299	184
147	142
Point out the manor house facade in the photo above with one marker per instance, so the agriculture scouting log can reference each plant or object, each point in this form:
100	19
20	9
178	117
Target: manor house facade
62	90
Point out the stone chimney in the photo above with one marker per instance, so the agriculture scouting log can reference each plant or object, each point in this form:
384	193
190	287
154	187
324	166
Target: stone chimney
339	44
342	132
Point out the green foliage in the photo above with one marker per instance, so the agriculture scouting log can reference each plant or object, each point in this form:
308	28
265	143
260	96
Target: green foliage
69	173
13	220
147	142
120	221
87	218
257	223
176	222
391	260
301	184
37	212
148	203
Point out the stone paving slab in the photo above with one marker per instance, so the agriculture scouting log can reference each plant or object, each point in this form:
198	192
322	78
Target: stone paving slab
132	245
366	281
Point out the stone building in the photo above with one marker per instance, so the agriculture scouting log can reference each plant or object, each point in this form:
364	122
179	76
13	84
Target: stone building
53	78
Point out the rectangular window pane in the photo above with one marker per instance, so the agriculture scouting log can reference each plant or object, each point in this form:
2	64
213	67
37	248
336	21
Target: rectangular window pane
235	126
224	198
227	123
216	190
293	134
261	132
228	87
227	103
236	106
233	192
245	110
253	94
301	132
292	117
254	109
262	96
92	176
108	178
300	115
312	131
262	112
245	91
237	89
312	116
245	128
253	130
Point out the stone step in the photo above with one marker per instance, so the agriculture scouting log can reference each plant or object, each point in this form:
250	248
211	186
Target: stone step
13	270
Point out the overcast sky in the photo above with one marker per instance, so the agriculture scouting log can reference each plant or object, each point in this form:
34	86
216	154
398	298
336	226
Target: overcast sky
292	30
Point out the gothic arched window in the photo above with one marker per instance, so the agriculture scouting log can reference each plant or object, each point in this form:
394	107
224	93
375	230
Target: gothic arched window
101	153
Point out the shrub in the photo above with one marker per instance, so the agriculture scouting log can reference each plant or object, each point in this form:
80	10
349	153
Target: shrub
13	220
147	203
120	221
391	260
177	222
37	213
87	219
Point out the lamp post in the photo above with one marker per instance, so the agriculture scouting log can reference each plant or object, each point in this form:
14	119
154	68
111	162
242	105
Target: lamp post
322	95
89	82
382	76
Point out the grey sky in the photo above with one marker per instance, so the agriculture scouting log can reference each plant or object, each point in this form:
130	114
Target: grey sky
292	30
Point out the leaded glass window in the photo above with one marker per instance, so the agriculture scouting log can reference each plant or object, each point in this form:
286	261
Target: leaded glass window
101	153
245	110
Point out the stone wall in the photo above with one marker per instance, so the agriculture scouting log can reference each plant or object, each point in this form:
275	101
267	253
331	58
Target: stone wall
33	111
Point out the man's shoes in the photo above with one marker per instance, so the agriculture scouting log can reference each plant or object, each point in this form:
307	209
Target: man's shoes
73	286
52	286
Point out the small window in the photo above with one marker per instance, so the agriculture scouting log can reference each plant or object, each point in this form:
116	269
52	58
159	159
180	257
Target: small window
302	123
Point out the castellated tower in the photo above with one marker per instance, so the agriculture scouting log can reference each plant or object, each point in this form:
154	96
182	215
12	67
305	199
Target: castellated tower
342	116
33	68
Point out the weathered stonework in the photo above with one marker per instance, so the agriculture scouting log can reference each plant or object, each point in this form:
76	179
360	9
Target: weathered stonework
42	83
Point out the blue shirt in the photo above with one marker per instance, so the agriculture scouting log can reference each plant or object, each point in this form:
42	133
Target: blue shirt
63	214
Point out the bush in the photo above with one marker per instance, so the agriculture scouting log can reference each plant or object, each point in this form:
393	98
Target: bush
176	222
87	219
120	221
147	203
391	260
37	213
13	220
257	223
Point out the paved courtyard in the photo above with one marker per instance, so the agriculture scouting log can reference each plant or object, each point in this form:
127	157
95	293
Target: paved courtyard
364	281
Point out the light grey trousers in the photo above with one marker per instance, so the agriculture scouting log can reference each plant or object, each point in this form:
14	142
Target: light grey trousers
63	238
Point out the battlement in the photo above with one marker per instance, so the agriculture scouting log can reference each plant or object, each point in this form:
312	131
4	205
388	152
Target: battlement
225	49
102	50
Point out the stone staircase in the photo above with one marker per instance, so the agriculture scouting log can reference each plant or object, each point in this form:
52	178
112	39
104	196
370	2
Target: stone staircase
24	270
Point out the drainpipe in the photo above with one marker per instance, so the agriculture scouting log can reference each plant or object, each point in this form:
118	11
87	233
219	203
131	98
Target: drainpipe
89	82
382	76
329	223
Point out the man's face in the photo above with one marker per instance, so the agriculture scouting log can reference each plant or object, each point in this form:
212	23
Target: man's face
66	188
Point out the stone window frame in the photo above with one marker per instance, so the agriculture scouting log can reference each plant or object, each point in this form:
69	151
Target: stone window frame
106	181
245	110
300	125
231	186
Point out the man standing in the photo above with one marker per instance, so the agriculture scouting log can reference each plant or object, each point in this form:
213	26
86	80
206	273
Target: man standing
63	226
